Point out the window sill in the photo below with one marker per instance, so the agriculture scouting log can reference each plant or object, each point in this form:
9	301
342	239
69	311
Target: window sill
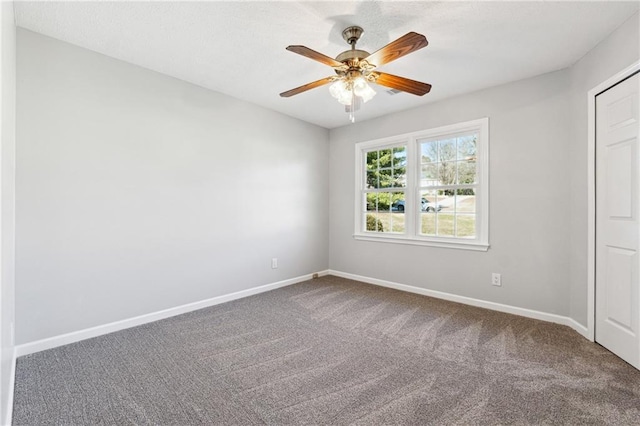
461	245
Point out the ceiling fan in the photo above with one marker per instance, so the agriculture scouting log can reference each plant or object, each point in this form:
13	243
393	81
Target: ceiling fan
355	69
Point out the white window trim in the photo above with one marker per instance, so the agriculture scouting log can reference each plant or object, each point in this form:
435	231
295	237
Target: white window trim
411	237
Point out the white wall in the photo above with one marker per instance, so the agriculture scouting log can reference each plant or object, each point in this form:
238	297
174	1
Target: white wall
138	192
612	55
529	123
7	199
538	173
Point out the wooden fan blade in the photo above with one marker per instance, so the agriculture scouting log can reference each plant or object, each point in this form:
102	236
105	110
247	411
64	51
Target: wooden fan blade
316	56
401	83
306	87
406	44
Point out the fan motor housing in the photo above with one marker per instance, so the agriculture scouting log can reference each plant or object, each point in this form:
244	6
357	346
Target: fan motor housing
350	55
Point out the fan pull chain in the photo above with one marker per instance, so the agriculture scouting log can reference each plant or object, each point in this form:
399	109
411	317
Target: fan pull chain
352	109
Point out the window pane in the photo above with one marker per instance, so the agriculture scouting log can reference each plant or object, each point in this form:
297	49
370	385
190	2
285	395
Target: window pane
384	201
446	200
372	180
465	200
372	202
429	205
392	221
466	172
428	224
384	158
466	225
447	150
399	179
400	167
399	157
429	202
372	223
397	198
398	223
467	147
447	173
386	178
429	152
445	224
391	208
372	160
397	202
429	175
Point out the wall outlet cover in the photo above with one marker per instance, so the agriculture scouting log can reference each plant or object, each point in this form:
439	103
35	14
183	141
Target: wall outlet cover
496	279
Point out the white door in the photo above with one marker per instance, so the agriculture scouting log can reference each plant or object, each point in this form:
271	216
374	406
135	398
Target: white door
617	221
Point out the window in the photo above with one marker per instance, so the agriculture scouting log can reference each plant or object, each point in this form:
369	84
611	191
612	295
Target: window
425	188
386	180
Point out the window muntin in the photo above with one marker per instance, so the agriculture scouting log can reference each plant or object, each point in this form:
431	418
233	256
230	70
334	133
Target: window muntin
448	182
385	182
426	188
386	168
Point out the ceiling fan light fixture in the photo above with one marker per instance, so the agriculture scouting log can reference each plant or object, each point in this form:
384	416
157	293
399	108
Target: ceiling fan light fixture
341	91
354	69
345	98
338	87
361	88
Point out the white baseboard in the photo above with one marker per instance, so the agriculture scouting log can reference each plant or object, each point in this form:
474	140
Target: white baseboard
12	381
64	339
75	336
529	313
579	328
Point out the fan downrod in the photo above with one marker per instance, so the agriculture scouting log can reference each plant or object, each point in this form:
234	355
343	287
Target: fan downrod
351	35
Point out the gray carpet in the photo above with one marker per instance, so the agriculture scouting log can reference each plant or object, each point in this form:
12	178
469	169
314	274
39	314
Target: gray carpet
330	351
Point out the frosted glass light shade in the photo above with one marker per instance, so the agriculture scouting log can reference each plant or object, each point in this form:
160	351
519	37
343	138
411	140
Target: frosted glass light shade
345	98
362	89
345	90
340	90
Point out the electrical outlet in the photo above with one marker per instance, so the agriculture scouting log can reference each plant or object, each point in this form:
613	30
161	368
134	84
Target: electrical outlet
496	279
274	263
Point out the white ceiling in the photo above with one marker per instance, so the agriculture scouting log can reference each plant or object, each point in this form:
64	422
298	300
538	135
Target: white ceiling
238	48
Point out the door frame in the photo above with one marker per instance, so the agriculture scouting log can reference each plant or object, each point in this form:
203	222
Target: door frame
591	190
